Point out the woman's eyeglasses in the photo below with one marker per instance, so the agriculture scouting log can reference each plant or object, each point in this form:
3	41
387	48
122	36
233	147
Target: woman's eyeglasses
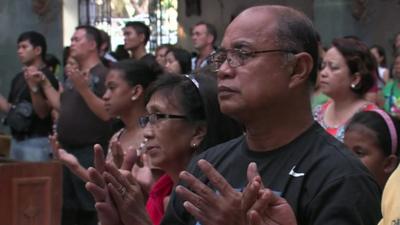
154	117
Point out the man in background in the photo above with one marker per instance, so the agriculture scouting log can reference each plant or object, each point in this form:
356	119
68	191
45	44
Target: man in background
204	36
30	141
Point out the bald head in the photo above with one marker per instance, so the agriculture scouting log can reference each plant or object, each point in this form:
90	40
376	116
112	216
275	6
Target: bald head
286	27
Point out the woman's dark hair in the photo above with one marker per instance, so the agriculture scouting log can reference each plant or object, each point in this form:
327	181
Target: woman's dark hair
183	57
359	60
199	104
135	72
167	46
377	124
52	62
120	53
381	53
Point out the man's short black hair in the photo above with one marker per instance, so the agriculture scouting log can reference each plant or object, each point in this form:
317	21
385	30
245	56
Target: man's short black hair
92	33
140	28
36	39
295	32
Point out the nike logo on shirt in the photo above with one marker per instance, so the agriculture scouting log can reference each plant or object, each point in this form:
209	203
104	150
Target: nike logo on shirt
295	174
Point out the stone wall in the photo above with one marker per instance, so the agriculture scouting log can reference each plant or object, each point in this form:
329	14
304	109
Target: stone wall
374	21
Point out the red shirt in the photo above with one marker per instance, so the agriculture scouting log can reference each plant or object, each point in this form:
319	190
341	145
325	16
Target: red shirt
155	204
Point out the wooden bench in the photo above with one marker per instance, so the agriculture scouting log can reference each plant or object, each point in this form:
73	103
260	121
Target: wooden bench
30	193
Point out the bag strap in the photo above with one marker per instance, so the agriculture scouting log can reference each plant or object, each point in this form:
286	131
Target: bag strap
18	98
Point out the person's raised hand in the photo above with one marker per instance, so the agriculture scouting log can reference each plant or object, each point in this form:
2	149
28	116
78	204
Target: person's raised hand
262	206
127	195
270	209
106	210
79	78
117	153
33	76
208	206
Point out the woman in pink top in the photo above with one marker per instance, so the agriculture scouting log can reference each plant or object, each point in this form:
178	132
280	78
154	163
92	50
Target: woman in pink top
347	74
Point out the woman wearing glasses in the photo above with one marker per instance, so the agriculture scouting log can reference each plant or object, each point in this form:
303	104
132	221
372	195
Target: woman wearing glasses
347	74
183	119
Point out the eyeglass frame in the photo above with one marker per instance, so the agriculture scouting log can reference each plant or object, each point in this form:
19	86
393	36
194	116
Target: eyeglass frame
152	118
243	55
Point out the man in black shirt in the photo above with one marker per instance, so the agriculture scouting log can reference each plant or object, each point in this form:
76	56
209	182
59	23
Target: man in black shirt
265	64
30	143
136	36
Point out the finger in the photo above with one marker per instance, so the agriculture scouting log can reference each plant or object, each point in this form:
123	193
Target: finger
266	198
96	178
216	179
254	218
36	73
146	160
131	179
252	172
115	195
130	159
195	202
251	191
114	147
198	187
99	161
195	212
63	157
114	176
99	194
250	194
116	153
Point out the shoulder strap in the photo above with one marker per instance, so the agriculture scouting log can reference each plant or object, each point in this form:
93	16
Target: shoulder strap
21	90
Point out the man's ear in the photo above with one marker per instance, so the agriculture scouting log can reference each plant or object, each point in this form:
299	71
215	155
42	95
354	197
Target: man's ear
93	45
300	68
37	50
210	39
142	38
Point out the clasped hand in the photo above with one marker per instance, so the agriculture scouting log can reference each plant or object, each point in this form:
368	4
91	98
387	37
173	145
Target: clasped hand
256	205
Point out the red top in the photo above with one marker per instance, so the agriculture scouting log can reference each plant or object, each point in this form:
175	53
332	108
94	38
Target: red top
155	204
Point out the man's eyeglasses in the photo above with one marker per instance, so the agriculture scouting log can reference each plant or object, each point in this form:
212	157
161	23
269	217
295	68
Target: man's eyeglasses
154	117
237	57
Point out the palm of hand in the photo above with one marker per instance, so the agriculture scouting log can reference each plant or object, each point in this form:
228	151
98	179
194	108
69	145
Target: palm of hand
143	176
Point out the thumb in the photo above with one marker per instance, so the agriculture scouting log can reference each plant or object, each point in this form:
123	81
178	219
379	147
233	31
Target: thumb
254	184
252	173
130	159
145	159
99	161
